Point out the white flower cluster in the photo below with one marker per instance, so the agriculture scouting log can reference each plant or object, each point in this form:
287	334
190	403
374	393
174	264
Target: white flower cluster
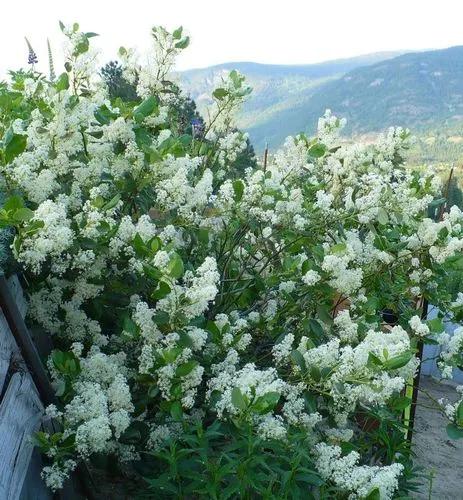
356	480
189	293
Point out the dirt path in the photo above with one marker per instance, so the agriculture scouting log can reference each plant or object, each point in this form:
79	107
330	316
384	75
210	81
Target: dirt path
435	452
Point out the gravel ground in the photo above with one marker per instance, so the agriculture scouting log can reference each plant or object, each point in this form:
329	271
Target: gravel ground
435	452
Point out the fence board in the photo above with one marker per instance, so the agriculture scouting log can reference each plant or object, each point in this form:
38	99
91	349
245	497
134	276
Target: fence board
18	294
20	415
8	351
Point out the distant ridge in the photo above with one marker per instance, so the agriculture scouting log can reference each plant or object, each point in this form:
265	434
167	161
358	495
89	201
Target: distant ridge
277	90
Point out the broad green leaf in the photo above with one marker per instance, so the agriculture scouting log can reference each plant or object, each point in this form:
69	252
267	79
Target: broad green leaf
382	217
317	150
238	188
399	361
62	83
161	318
23	214
13	203
176	411
238	399
175	267
183	43
177	34
161	291
220	93
130	326
338	248
459	414
14	146
266	403
146	108
435	325
400	403
186	368
374	494
298	359
111	203
323	313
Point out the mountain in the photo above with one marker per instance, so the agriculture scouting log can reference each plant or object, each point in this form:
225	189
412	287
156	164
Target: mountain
416	90
279	92
422	91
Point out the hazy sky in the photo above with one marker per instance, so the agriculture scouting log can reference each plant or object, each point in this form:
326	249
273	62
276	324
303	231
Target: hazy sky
271	31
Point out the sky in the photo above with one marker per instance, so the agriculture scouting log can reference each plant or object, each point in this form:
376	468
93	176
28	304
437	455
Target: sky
271	31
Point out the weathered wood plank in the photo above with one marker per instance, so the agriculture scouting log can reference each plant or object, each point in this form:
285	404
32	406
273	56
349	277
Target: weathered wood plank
20	415
8	350
18	294
34	487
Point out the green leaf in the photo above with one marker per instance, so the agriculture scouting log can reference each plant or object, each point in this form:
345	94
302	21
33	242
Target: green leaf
129	326
238	188
374	494
435	325
185	340
203	236
82	46
161	318
104	115
398	361
298	359
177	34
236	78
238	399
183	44
14	145
220	93
139	245
176	411
437	203
317	150
316	328
13	203
146	108
186	368
382	217
315	373
175	267
130	436
338	248
155	243
23	214
62	83
400	403
373	360
161	291
266	403
111	203
454	432
323	312
459	414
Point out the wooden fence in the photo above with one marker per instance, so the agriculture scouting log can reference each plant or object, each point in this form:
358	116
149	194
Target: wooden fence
21	412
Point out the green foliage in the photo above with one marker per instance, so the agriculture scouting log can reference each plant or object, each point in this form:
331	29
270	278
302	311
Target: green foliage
116	83
221	461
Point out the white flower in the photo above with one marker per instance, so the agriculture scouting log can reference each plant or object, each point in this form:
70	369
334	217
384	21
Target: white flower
311	277
420	329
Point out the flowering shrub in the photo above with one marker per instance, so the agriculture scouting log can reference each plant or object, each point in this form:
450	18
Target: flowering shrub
220	336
